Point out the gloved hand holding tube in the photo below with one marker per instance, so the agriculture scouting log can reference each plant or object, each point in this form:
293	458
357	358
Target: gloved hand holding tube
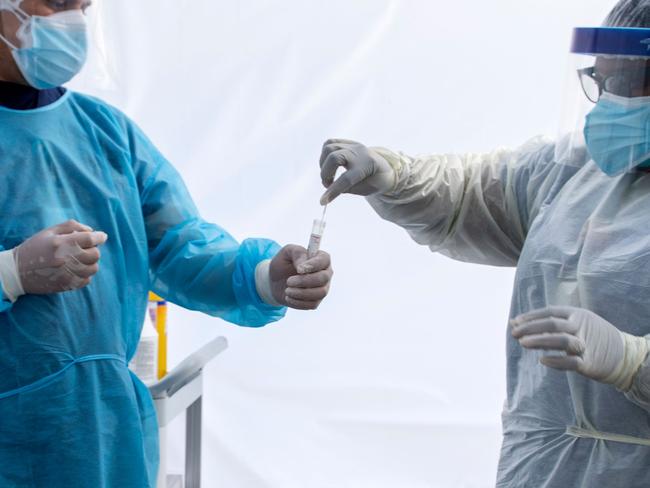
297	277
61	258
294	279
300	281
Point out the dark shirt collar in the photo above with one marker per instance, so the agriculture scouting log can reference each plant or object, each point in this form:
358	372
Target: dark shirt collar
23	97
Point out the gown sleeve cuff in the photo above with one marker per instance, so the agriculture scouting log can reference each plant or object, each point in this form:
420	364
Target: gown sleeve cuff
263	283
401	168
639	392
636	352
254	311
11	287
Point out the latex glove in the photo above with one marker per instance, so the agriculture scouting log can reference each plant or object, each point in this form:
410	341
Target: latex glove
366	173
299	282
60	258
593	347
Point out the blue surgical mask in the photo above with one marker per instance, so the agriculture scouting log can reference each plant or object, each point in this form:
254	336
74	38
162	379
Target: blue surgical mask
617	132
53	48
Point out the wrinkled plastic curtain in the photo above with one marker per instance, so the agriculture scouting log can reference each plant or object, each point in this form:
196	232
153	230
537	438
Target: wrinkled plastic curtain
399	379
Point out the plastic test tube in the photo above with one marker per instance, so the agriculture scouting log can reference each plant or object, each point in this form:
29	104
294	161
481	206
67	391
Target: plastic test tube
316	235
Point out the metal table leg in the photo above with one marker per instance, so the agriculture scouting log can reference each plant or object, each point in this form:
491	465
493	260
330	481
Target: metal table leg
193	445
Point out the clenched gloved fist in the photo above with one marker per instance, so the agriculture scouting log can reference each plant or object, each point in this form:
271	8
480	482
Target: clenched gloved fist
367	172
297	281
60	258
592	346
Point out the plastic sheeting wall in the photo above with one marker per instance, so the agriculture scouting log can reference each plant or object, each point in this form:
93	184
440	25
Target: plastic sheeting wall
398	380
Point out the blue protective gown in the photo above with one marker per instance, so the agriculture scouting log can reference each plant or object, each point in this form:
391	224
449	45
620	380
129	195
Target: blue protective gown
578	238
71	413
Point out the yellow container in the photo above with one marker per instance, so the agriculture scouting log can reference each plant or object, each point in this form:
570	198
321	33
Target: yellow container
161	327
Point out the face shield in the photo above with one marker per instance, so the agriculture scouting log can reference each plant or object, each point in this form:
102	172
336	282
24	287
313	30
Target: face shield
99	75
52	42
607	106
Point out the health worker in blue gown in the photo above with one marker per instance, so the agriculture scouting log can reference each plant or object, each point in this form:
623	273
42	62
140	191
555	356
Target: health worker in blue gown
93	217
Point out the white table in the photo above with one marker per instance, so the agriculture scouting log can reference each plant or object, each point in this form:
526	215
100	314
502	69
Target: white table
181	391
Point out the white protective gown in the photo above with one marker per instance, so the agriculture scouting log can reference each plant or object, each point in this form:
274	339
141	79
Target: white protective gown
577	238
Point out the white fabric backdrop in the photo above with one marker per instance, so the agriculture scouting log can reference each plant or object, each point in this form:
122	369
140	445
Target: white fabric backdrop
398	380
